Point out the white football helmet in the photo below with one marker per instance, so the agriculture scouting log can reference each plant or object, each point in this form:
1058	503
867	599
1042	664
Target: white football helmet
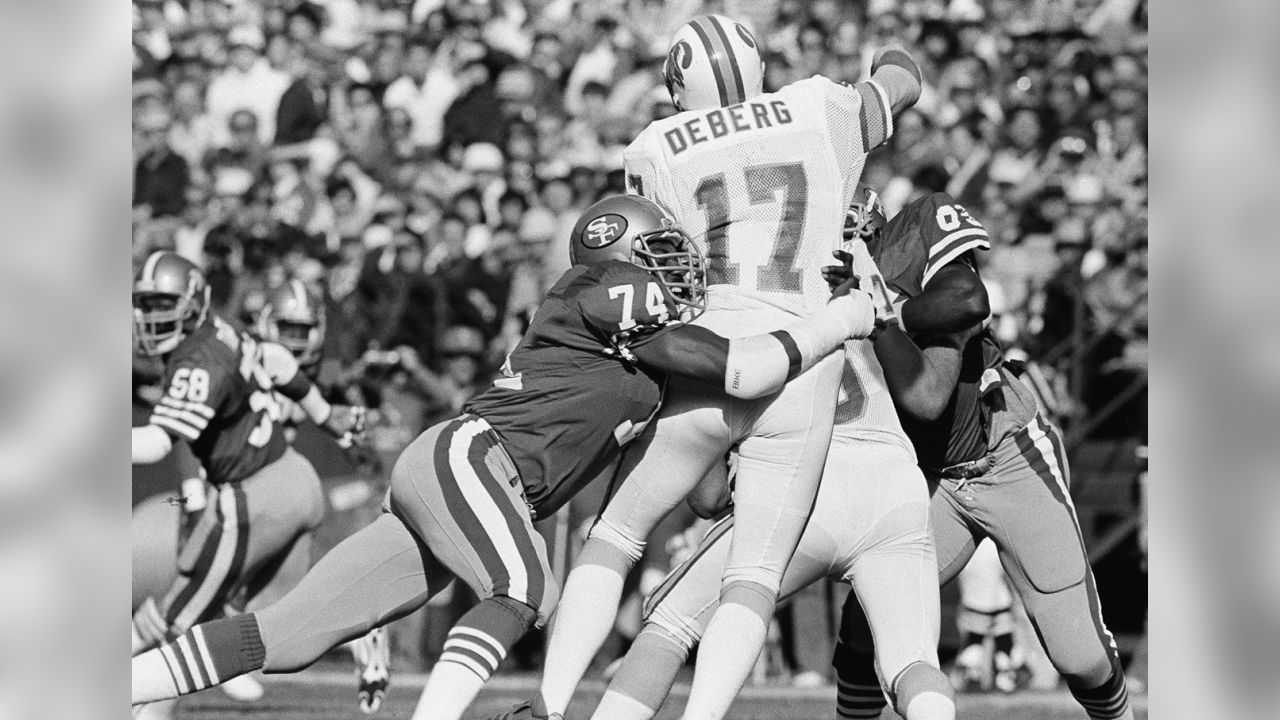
713	62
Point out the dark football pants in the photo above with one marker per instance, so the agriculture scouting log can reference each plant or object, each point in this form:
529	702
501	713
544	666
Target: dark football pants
253	536
1024	506
455	508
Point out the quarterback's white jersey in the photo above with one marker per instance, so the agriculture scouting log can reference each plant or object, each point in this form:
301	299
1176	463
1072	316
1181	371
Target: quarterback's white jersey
762	187
864	408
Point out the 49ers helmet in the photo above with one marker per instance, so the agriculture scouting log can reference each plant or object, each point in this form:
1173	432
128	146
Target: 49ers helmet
294	318
633	229
865	217
713	62
170	300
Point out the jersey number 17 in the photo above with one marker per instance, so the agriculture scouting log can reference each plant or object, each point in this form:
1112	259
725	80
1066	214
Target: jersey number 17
763	183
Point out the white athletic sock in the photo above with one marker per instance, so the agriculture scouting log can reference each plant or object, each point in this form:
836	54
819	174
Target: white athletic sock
450	689
729	649
616	706
152	680
588	606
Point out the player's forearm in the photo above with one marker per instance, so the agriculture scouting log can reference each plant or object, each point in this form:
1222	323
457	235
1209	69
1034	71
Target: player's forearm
761	364
150	444
920	381
315	406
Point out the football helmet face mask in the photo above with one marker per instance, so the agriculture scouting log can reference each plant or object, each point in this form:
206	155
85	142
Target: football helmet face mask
865	218
294	318
635	230
712	62
170	300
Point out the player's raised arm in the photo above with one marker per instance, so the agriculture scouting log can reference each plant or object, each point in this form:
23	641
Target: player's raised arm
759	365
897	74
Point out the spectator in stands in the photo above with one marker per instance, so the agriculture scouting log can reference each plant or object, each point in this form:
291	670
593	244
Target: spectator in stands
160	175
247	83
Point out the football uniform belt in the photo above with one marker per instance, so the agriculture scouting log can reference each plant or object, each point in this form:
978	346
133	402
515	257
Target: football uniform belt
967	470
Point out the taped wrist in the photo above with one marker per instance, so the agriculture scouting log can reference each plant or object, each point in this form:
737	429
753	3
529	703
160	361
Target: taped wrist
848	316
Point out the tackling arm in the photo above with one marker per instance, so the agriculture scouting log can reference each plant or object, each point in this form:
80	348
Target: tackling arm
759	365
920	380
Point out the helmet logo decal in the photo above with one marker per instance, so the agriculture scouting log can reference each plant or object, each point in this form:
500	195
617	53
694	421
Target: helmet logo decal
745	34
679	58
604	230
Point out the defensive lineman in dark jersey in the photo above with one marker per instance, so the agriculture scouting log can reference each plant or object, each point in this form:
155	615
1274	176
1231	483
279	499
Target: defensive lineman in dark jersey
218	398
998	465
581	384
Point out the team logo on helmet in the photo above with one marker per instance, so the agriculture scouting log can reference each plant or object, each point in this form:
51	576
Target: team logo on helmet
604	230
679	58
745	34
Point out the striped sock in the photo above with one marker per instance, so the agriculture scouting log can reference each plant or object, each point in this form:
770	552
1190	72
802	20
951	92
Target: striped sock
214	652
1108	701
858	693
480	640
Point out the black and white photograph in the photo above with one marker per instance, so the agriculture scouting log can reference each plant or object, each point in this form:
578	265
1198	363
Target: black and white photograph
628	359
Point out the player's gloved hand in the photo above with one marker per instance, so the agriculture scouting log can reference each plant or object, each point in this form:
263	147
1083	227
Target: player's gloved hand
346	422
840	276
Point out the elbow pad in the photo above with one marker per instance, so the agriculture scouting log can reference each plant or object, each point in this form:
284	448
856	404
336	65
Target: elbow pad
762	364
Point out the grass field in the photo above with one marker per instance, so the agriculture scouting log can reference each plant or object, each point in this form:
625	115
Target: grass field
317	695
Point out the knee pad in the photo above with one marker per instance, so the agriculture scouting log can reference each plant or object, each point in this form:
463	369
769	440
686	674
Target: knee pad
604	531
916	679
756	597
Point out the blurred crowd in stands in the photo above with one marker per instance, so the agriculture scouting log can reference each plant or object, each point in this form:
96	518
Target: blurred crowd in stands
419	164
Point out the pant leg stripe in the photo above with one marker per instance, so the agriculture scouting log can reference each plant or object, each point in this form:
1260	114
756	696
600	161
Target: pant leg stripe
516	518
218	569
717	531
489	512
236	574
208	533
459	509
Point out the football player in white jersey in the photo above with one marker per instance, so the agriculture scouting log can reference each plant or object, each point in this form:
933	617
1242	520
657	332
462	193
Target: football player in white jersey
761	182
869	528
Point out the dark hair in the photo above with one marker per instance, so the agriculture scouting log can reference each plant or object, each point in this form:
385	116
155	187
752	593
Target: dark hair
933	178
510	195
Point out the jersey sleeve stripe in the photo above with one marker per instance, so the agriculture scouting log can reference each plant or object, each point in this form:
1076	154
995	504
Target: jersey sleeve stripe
176	426
715	66
875	120
947	242
191	419
957	249
198	408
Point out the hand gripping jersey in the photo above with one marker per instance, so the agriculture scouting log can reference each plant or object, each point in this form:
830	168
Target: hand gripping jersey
570	395
219	398
864	408
988	403
762	186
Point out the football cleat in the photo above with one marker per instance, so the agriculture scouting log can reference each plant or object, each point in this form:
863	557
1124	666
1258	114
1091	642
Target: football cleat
373	669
